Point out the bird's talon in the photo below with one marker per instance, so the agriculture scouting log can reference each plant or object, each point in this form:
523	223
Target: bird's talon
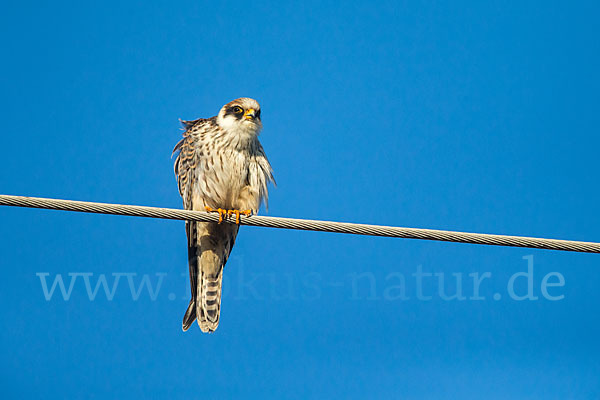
237	214
225	214
218	210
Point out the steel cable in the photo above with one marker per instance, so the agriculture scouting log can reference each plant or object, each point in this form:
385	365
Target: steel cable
303	224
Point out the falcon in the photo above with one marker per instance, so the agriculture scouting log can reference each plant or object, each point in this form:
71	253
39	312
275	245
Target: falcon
220	167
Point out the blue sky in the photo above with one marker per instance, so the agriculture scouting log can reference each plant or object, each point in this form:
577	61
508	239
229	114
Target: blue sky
473	116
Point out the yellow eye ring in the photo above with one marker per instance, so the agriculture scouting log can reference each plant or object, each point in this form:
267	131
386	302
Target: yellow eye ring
238	110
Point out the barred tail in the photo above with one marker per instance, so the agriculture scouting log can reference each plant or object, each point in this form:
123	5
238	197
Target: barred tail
205	304
209	245
208	306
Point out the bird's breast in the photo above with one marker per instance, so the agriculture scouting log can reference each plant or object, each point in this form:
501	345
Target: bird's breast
223	178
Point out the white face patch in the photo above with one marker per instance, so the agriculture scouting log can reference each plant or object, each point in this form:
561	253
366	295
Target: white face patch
236	124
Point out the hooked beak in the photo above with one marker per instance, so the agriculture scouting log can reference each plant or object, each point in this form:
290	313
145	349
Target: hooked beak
250	114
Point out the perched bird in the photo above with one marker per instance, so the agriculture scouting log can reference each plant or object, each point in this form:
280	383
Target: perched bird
221	167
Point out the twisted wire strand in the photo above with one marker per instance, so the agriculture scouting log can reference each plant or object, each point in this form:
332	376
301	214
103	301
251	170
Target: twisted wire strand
303	224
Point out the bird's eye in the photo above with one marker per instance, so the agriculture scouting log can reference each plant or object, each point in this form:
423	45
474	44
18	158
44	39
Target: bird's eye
238	110
258	114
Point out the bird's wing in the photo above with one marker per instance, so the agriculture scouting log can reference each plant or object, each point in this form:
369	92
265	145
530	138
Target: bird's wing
188	159
260	174
186	171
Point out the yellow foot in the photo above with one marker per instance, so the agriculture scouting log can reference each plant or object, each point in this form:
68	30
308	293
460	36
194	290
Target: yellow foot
237	214
224	214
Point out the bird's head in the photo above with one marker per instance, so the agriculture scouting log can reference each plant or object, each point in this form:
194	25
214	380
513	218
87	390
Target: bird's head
241	116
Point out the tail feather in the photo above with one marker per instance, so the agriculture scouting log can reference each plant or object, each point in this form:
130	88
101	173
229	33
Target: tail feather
209	247
208	305
190	315
193	256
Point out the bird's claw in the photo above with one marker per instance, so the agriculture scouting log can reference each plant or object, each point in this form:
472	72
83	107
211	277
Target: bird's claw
224	214
237	214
